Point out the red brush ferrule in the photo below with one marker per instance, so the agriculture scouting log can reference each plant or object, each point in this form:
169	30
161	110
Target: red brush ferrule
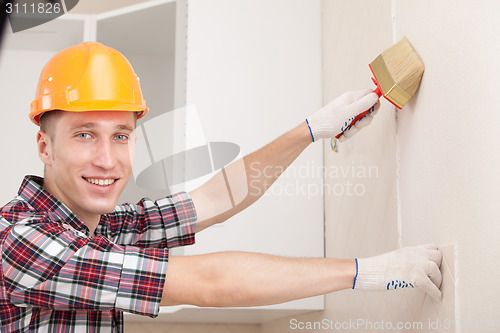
377	90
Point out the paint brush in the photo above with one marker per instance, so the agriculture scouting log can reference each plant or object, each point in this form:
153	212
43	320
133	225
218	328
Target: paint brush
396	73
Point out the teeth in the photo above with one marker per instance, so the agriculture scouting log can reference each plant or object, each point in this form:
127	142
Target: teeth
100	182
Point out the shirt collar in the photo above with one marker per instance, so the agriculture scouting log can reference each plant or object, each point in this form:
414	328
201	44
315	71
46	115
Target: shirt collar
36	196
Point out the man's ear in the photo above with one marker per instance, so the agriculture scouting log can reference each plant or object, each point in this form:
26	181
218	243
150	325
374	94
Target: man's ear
44	147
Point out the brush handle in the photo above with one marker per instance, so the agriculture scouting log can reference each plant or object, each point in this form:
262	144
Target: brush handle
378	91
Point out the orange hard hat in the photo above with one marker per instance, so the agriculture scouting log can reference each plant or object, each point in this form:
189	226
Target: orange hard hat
88	77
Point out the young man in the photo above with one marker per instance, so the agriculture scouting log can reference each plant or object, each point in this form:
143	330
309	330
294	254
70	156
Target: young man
73	261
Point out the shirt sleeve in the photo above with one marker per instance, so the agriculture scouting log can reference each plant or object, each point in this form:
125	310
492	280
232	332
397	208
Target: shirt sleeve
166	223
51	265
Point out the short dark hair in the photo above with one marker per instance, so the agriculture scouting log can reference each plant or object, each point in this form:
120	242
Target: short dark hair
48	120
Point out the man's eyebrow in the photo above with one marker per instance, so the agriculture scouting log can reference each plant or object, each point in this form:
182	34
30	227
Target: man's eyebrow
120	127
125	128
82	126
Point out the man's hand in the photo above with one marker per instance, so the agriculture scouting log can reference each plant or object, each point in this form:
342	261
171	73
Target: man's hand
409	267
337	115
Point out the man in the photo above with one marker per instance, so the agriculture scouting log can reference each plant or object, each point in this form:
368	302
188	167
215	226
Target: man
73	261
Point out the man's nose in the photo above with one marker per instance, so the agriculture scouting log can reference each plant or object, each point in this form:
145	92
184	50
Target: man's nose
104	155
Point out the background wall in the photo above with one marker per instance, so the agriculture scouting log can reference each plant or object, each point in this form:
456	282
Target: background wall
449	144
437	158
18	85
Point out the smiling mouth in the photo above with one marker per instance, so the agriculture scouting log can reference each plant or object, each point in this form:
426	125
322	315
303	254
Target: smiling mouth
100	182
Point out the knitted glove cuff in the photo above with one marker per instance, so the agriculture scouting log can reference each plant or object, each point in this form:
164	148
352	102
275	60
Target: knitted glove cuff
323	125
368	275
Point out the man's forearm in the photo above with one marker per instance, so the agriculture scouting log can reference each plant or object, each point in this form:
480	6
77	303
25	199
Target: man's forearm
244	181
249	279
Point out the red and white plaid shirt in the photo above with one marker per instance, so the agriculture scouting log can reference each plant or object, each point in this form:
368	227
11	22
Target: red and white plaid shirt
55	278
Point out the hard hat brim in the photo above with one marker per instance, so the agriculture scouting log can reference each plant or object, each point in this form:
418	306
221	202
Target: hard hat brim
96	106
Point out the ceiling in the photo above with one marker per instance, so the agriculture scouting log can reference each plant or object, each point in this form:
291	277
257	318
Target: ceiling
148	30
145	31
100	6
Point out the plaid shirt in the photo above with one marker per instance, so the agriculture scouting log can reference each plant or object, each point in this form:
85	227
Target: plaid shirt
55	278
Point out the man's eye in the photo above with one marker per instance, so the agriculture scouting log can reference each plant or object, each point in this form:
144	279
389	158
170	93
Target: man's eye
83	135
121	137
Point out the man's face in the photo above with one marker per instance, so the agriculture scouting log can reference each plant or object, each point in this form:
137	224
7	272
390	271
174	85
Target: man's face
88	159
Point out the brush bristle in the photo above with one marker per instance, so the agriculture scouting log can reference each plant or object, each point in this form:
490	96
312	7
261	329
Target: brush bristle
404	65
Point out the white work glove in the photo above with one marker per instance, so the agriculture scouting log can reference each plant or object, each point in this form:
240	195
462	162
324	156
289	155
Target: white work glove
337	115
408	267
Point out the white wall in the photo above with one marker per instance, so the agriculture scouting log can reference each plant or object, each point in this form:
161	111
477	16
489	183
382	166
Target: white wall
19	72
450	143
254	72
446	143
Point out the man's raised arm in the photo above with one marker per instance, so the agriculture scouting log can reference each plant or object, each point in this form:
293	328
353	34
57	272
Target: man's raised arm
244	181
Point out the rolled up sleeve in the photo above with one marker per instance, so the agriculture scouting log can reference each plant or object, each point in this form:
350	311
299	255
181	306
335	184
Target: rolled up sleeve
179	218
165	223
142	281
51	265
